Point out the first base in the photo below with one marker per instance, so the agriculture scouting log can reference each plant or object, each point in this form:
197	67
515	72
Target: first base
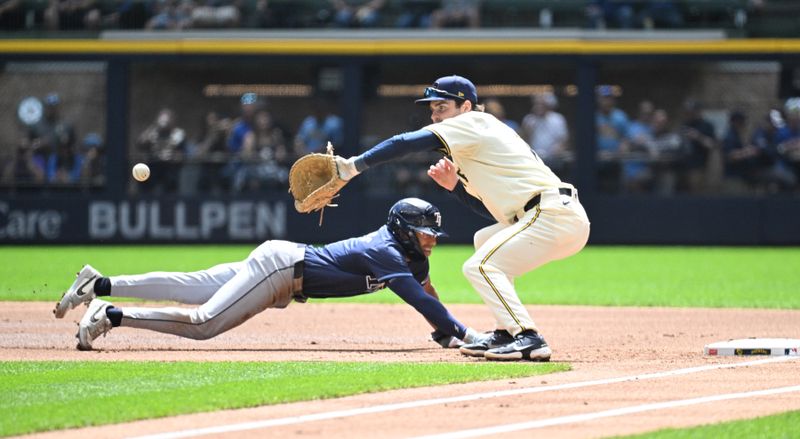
754	346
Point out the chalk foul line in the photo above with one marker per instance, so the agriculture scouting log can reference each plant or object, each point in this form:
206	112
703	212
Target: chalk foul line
267	423
561	420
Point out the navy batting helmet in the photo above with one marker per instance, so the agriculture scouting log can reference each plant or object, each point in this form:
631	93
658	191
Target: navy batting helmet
411	215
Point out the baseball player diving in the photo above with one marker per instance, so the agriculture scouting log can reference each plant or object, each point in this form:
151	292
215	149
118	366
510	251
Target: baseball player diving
272	276
491	169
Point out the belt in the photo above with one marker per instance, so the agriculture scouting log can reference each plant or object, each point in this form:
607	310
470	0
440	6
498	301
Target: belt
538	197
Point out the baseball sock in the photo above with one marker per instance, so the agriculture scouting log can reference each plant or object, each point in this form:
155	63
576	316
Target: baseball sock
102	286
115	315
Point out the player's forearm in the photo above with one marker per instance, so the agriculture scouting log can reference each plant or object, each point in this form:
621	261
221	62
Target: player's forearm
434	312
397	147
428	287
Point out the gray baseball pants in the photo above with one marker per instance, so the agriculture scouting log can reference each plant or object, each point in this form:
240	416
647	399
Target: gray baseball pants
228	294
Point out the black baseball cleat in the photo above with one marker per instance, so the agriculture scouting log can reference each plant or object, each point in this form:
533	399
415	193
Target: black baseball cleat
527	345
500	337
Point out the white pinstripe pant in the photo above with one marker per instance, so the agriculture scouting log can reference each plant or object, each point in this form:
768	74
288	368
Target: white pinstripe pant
555	229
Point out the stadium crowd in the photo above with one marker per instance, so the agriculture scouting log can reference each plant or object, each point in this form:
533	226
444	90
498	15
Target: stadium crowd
654	150
96	15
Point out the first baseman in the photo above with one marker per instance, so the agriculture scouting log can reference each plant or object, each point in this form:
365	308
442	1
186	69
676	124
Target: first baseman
272	276
491	169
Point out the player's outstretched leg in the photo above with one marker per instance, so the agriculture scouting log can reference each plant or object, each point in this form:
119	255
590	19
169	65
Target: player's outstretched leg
81	291
499	338
527	345
93	324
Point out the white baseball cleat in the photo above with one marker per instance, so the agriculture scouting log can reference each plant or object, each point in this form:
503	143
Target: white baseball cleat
81	291
93	324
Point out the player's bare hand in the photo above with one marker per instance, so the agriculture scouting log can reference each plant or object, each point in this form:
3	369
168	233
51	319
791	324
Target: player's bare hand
444	173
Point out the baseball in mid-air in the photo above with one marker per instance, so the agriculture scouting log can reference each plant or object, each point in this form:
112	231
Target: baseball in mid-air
141	172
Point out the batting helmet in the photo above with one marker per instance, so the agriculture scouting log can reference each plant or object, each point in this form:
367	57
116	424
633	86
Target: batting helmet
411	215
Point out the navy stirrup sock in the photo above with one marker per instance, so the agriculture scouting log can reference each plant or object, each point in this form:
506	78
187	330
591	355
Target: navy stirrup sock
102	286
115	315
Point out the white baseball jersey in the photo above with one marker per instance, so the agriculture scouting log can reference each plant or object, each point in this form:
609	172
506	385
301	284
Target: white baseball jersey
495	165
498	167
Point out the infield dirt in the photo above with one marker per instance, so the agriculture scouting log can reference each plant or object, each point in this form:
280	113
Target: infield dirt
599	343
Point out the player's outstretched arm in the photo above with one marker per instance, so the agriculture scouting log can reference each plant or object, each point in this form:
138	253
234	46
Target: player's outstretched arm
444	340
397	147
434	312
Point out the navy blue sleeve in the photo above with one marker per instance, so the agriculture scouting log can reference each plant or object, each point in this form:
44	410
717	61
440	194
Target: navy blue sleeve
398	146
473	203
412	293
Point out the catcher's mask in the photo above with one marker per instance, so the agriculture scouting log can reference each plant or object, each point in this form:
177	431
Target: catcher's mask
411	215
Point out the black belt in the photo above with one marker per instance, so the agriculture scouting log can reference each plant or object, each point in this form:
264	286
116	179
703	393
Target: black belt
538	197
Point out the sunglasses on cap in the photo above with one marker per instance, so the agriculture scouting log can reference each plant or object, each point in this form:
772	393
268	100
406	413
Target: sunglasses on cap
431	92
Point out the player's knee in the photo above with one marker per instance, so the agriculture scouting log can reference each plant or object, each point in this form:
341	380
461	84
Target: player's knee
479	238
471	268
204	326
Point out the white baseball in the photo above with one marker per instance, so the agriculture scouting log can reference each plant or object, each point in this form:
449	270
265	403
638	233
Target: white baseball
141	172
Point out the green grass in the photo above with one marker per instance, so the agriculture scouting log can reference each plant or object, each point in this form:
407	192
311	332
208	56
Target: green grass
781	426
746	277
41	396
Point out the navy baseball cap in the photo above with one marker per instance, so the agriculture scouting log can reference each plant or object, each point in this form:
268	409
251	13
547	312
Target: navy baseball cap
450	87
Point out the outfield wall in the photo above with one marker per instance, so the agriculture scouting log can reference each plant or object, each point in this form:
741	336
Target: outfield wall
615	220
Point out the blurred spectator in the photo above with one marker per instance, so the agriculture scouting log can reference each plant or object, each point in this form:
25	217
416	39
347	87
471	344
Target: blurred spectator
163	145
602	14
206	157
742	160
640	129
63	166
54	138
623	14
268	139
667	146
67	14
788	136
248	105
126	14
457	13
611	128
258	14
12	15
660	14
780	177
637	150
171	15
415	14
611	122
242	127
317	129
702	147
27	165
213	14
496	109
357	13
92	160
546	131
264	156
